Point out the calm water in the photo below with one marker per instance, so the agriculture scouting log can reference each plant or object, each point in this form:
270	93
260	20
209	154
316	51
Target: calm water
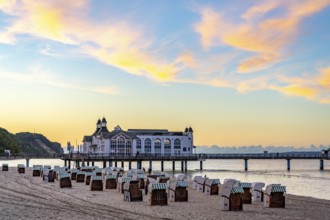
304	179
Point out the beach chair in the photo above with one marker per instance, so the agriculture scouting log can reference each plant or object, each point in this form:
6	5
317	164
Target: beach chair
140	177
231	198
88	176
36	171
274	196
96	183
162	179
212	186
120	183
80	177
132	191
179	176
177	191
257	193
111	181
97	172
201	184
157	194
230	182
21	168
147	181
5	167
44	174
51	176
73	174
247	195
64	180
195	183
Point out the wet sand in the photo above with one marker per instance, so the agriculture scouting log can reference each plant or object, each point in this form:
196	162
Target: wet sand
25	197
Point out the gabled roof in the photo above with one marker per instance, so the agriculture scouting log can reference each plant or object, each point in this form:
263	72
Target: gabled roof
87	139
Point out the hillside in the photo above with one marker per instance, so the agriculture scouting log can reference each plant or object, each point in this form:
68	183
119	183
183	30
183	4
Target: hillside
8	141
37	144
26	143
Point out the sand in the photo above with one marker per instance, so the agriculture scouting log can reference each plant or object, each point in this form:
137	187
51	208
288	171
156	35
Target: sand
25	197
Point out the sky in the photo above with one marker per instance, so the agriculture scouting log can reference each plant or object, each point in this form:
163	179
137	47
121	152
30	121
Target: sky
238	72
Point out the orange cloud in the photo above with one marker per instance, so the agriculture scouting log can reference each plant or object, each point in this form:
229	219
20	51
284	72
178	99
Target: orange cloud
266	37
118	44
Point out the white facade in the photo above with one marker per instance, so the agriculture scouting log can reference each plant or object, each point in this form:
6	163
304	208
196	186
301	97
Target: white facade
138	141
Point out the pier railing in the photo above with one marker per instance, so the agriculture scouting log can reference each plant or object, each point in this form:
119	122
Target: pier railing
119	156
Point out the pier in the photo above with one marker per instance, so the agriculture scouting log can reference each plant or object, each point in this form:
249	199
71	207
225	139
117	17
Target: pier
113	159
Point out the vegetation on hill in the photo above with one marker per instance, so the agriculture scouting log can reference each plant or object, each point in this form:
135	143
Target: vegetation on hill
8	141
26	143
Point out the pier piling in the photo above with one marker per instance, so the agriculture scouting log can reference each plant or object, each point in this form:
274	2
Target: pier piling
150	165
139	164
65	162
173	165
115	163
87	162
104	164
27	162
122	164
246	164
162	165
110	163
201	165
321	165
129	165
93	163
186	165
182	166
289	165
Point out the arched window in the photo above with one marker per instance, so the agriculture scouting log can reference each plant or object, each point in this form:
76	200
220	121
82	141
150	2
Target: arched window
138	144
121	145
167	146
158	146
177	147
128	147
147	145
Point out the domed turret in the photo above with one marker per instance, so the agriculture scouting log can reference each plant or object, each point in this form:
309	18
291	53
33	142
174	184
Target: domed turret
190	130
98	124
186	130
104	122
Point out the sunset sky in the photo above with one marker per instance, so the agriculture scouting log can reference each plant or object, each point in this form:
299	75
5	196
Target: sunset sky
238	72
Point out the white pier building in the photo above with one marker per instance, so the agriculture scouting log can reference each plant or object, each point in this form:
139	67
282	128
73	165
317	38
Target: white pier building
138	141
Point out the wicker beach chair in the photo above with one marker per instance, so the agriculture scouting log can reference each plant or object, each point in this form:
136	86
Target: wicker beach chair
201	184
212	186
111	181
257	193
5	167
177	191
157	194
195	183
247	196
231	198
81	177
64	180
96	183
88	176
140	177
274	196
120	183
51	176
132	191
21	168
73	174
36	171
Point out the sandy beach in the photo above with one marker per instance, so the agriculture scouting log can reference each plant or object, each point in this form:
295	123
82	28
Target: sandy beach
25	197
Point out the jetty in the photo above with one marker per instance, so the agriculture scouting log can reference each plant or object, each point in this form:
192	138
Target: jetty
112	159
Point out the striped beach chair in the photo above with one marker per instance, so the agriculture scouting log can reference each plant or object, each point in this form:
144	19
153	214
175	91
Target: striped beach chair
177	191
96	183
157	194
274	196
212	186
231	198
64	180
247	195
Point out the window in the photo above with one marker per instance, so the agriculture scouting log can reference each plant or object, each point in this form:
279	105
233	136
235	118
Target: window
128	147
121	145
138	144
113	146
158	146
147	145
167	146
184	149
177	147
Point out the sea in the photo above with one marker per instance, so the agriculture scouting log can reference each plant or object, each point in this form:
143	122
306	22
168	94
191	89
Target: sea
305	177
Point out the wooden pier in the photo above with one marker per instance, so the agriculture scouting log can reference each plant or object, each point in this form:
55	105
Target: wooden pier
114	159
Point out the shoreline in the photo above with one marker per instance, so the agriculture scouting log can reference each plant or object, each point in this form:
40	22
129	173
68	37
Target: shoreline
25	197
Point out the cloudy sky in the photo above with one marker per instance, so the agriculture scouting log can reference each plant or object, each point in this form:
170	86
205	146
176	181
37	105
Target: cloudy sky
239	72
